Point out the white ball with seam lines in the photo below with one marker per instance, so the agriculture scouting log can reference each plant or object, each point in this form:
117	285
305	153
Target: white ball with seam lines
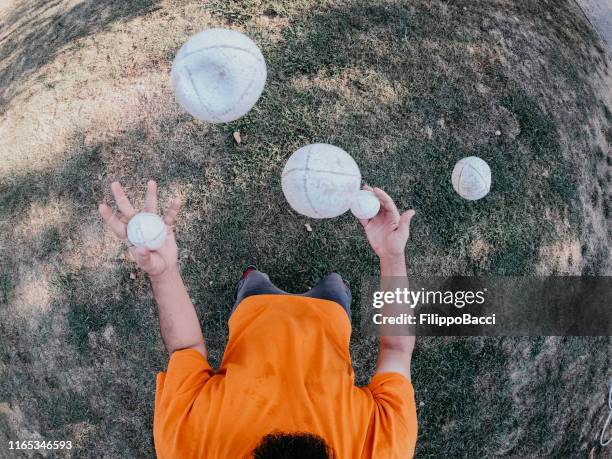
471	178
365	204
218	75
319	180
147	229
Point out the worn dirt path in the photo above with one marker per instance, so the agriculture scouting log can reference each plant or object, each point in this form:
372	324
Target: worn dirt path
599	13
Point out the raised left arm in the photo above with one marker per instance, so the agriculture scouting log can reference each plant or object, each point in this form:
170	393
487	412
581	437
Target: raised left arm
179	324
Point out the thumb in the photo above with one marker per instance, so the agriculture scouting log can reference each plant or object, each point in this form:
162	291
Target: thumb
404	224
143	258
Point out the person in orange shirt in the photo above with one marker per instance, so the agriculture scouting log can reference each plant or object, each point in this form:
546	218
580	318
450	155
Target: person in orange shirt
285	387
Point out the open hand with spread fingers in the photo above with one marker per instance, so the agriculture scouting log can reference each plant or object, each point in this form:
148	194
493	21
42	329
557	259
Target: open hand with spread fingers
157	262
389	230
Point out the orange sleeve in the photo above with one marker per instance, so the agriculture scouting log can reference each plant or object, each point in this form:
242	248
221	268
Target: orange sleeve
176	391
187	369
393	428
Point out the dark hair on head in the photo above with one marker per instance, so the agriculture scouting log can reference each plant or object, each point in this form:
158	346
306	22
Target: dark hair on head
295	445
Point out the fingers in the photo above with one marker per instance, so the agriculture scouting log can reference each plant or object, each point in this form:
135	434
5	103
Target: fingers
387	203
151	197
122	201
122	218
404	225
172	211
115	225
118	222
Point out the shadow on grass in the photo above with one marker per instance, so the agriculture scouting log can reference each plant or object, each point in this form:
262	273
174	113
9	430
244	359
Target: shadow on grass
437	85
36	31
93	352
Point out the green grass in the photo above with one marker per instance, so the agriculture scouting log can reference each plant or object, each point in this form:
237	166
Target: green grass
461	400
372	78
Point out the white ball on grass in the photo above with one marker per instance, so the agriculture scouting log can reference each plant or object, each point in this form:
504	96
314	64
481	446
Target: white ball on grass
147	230
218	75
365	204
319	180
471	178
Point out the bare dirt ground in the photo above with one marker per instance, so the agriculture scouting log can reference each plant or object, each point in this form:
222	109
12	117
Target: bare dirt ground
599	13
408	88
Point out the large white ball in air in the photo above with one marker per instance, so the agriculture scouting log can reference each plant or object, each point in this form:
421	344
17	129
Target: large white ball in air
365	204
319	180
146	230
218	75
471	178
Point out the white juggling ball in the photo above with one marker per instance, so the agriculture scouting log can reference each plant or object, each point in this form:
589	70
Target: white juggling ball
471	178
319	180
146	230
365	204
218	75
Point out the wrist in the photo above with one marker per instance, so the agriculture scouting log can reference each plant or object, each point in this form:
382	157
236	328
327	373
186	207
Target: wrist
393	265
169	274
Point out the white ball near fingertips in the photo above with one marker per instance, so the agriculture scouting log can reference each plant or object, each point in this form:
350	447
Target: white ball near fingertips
148	230
365	204
319	180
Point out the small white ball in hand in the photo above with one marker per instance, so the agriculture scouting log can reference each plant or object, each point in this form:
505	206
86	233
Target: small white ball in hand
365	204
147	230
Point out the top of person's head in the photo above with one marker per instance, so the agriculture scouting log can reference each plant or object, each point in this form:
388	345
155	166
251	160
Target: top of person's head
297	445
